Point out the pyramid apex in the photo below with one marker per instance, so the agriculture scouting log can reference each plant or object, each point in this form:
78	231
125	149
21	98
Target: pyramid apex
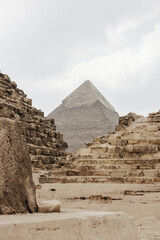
87	81
85	94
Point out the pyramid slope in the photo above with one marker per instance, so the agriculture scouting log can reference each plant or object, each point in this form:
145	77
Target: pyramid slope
81	124
83	115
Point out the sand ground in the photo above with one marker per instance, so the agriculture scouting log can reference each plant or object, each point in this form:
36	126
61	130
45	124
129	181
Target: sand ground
142	202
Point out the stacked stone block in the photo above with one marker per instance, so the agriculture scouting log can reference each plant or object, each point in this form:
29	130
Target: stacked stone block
130	154
45	144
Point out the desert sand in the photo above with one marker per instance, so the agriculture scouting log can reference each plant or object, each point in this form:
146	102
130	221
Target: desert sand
140	201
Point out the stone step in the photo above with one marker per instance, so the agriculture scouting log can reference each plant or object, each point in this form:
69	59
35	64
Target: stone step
111	155
97	179
41	150
43	159
117	167
115	151
107	155
133	146
98	155
115	173
117	161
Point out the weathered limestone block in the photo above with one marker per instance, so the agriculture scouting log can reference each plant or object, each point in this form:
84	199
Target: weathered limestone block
152	128
99	149
155	141
122	142
104	139
17	191
6	112
154	118
145	149
120	127
84	151
126	120
110	151
49	206
119	149
96	140
112	140
133	141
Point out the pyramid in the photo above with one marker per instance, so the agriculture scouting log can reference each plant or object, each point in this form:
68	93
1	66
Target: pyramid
83	115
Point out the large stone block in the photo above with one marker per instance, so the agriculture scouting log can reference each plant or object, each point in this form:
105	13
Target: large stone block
99	149
17	191
49	206
154	118
128	119
145	149
152	128
155	141
69	226
133	141
84	151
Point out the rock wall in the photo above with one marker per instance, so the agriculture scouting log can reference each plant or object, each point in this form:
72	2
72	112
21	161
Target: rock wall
46	145
17	190
130	154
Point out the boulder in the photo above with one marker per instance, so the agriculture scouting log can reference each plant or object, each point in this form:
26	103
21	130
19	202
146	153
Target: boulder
17	192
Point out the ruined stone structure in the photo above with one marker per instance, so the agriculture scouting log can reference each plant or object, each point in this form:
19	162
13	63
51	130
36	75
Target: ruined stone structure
46	145
130	154
83	115
17	189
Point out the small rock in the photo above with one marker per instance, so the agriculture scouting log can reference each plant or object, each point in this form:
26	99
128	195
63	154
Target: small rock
49	206
38	186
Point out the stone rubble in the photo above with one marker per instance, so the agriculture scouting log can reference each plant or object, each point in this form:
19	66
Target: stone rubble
130	154
46	145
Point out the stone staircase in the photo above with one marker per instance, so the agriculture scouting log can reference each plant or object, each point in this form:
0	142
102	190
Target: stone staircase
131	154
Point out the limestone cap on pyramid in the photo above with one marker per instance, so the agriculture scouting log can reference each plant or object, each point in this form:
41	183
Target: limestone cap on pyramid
86	94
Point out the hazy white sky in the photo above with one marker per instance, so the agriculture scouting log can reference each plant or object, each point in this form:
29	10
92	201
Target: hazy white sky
50	47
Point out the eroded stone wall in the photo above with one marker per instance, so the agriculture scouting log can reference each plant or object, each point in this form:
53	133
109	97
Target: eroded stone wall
46	145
